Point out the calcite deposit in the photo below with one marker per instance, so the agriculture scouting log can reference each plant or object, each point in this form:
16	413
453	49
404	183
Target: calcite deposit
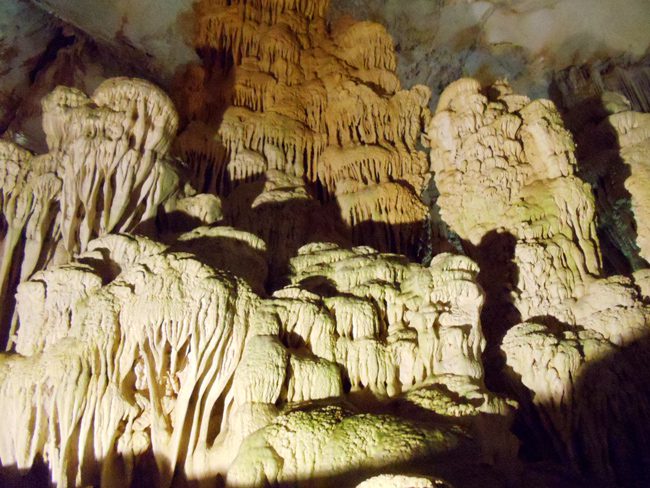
107	170
506	171
280	90
137	350
243	283
614	142
161	332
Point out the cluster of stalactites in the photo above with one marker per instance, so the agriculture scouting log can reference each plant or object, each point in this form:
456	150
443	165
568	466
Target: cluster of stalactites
107	170
274	33
30	190
613	146
112	156
117	359
120	108
129	349
396	324
307	91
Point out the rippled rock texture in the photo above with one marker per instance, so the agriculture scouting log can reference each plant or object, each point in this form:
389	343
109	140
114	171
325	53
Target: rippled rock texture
272	264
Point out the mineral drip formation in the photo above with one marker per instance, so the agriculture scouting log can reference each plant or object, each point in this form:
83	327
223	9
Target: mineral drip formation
506	172
614	143
107	170
137	358
281	90
224	293
155	338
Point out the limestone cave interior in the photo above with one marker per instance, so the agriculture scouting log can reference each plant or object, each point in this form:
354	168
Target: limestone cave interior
325	243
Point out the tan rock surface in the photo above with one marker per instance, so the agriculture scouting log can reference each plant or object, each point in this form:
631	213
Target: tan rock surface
107	170
614	145
287	93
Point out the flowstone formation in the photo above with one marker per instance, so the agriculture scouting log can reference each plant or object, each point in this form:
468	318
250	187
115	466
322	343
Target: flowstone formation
614	143
239	305
281	90
506	172
137	359
167	335
107	170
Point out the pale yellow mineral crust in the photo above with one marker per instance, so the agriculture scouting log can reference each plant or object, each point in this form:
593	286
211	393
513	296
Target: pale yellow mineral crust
129	350
235	314
107	170
505	169
505	165
614	152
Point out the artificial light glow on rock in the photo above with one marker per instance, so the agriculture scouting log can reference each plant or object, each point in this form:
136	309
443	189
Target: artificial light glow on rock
272	264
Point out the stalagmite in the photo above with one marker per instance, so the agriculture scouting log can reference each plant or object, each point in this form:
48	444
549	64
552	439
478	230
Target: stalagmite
504	167
506	172
29	192
614	143
107	171
406	322
328	442
589	394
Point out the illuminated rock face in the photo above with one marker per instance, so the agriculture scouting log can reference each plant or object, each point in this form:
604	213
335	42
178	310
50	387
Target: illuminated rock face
167	357
317	102
127	351
207	308
505	166
107	170
614	144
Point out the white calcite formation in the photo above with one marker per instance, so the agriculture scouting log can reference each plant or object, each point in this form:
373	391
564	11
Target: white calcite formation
402	481
28	189
505	170
118	375
107	170
614	144
591	394
185	355
392	336
224	307
112	151
325	442
128	352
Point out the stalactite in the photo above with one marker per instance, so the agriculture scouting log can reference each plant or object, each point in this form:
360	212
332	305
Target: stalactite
304	90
